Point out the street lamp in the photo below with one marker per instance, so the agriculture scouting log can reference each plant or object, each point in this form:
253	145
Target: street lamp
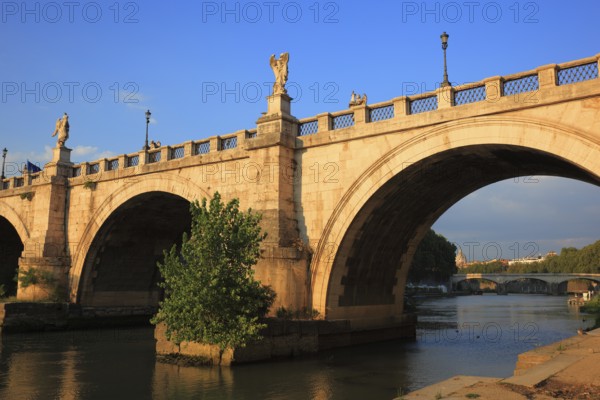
4	152
148	114
444	36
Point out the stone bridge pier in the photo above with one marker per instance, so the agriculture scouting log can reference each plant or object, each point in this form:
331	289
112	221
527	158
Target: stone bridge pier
554	288
501	288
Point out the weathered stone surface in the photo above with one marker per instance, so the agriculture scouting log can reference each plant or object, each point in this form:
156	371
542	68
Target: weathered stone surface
285	338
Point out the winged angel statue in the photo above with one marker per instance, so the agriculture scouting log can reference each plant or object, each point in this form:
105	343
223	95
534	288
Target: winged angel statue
280	69
62	129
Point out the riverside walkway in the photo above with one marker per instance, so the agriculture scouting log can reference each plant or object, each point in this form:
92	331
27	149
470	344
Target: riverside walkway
567	369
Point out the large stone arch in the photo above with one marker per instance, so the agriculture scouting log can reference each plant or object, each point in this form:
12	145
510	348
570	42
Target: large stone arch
575	151
162	182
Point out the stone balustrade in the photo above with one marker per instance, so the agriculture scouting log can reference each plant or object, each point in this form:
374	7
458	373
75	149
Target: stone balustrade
523	86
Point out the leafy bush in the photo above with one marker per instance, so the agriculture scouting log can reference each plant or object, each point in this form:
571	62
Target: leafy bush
211	295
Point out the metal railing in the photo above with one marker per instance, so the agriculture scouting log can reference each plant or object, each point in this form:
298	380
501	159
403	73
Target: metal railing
177	152
308	128
132	161
93	168
381	113
201	148
112	164
524	84
471	95
154	157
577	73
343	121
229	143
424	104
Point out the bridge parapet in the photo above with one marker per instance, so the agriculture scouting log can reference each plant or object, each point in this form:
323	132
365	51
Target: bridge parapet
501	90
494	90
163	155
93	170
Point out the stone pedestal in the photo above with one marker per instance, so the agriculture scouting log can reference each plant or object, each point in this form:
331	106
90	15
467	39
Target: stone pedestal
279	104
61	155
60	164
277	125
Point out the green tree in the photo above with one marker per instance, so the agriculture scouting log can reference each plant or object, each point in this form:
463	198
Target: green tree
211	295
434	260
570	260
493	267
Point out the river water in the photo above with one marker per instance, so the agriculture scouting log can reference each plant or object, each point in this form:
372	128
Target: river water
470	335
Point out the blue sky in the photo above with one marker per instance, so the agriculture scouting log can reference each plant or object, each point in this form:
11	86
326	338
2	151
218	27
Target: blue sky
202	68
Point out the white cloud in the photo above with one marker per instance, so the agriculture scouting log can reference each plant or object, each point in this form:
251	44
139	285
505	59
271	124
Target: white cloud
80	151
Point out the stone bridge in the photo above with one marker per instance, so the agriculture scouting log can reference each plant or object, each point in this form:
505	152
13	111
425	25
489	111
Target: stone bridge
553	281
346	196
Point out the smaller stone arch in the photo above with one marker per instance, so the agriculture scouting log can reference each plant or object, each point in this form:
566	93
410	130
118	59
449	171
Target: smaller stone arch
563	285
533	285
468	281
14	236
11	216
162	182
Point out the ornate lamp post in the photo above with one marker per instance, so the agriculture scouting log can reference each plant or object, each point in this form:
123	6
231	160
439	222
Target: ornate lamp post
444	36
148	114
4	152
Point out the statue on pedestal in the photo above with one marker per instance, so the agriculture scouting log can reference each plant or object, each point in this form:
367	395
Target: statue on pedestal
356	100
62	129
280	69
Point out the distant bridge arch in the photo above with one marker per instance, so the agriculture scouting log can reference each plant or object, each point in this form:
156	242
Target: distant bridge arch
553	281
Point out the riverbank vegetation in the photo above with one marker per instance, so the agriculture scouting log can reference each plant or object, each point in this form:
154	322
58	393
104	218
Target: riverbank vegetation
592	306
434	261
570	260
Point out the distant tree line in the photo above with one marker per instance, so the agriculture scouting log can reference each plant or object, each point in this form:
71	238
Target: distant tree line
570	260
434	260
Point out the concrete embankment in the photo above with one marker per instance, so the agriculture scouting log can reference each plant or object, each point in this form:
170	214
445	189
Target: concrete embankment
566	369
32	317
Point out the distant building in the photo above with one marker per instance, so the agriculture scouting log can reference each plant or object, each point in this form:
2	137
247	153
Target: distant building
461	260
532	260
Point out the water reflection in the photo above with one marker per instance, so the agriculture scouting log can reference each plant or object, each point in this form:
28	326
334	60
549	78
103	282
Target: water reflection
476	335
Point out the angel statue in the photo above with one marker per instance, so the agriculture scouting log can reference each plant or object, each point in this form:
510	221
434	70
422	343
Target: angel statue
280	69
62	129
